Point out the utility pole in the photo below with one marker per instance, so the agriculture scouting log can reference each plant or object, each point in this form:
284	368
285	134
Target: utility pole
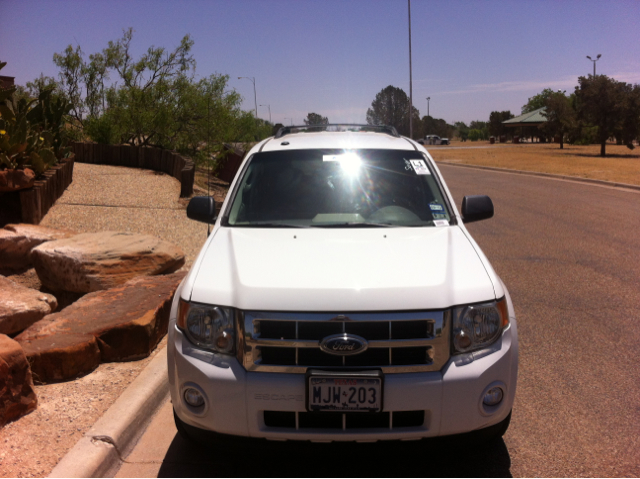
428	100
410	80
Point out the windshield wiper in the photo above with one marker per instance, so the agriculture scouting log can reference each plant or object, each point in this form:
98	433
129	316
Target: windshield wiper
355	224
270	225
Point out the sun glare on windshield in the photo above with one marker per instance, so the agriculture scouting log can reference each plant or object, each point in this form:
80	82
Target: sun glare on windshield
349	161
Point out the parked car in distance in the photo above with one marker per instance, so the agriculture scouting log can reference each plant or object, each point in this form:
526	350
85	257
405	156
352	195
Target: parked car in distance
340	297
434	140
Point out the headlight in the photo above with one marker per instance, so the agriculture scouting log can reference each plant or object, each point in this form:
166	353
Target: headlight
479	325
208	327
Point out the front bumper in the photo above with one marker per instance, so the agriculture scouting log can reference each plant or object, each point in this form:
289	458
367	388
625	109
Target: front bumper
235	400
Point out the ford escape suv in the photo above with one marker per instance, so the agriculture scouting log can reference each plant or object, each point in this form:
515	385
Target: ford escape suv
339	297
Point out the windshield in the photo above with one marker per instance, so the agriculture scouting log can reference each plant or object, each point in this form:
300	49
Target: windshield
337	188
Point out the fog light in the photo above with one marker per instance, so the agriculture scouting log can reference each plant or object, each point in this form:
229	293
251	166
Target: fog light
193	397
493	397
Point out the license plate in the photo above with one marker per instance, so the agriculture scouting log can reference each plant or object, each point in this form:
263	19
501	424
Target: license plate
345	393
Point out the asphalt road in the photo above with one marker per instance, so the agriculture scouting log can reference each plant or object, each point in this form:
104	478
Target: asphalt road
570	255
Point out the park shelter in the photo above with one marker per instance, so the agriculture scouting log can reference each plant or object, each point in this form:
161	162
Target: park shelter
528	123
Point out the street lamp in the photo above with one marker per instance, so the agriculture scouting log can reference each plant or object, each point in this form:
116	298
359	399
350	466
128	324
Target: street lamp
594	62
253	80
290	119
268	106
428	100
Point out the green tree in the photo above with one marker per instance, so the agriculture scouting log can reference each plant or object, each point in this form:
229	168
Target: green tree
316	119
496	128
606	103
462	130
437	126
482	128
560	115
630	120
71	65
40	84
391	107
154	100
537	101
475	134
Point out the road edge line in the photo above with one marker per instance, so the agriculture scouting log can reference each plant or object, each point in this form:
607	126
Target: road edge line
110	439
612	184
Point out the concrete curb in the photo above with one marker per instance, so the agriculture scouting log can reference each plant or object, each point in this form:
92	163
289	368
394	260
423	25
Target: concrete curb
103	447
546	175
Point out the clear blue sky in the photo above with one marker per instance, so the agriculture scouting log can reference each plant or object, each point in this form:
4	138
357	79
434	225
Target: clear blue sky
332	56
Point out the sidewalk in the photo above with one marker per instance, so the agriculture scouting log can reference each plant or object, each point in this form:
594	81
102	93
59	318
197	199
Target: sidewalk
100	198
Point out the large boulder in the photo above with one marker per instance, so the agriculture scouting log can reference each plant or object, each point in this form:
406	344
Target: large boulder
96	261
20	307
17	396
17	241
121	324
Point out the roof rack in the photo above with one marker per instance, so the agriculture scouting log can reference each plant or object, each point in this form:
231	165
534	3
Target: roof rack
336	127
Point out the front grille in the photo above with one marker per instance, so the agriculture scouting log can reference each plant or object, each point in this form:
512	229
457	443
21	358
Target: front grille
344	421
397	342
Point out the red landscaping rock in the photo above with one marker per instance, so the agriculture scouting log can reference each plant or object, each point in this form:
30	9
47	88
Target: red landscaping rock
20	307
96	261
121	324
17	241
17	396
12	180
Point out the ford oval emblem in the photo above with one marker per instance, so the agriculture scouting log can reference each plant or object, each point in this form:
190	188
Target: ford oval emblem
344	344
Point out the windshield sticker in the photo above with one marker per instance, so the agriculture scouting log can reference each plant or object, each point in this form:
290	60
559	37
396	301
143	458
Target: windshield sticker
440	223
435	207
420	167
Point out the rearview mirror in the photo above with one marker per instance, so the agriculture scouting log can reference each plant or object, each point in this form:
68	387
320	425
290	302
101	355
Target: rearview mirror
202	208
476	208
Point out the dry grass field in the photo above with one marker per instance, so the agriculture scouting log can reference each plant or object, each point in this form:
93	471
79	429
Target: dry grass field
620	165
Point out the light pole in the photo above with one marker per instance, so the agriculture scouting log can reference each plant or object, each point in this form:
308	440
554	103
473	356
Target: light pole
594	62
291	119
253	80
268	106
428	100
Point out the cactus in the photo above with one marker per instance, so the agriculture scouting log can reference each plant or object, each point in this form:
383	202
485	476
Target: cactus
32	131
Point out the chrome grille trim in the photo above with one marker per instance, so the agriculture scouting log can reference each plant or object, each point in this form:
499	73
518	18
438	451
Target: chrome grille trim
436	342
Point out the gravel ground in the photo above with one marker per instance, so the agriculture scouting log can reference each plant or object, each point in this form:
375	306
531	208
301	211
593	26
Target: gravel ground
100	198
113	198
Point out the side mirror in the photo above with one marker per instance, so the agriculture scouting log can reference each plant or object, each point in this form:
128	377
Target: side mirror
202	208
476	208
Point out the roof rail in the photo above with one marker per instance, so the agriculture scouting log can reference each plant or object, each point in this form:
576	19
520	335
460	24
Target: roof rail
336	127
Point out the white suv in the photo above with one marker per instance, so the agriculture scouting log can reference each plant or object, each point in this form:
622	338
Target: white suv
340	297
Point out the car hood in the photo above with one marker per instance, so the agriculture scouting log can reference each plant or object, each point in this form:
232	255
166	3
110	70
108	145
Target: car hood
340	270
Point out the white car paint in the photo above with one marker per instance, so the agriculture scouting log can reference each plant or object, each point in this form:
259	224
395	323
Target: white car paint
350	270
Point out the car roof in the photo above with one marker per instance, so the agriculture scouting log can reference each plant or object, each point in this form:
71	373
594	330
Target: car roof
338	140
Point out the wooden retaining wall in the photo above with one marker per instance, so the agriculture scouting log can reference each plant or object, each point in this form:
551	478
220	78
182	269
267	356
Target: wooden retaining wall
156	159
31	204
